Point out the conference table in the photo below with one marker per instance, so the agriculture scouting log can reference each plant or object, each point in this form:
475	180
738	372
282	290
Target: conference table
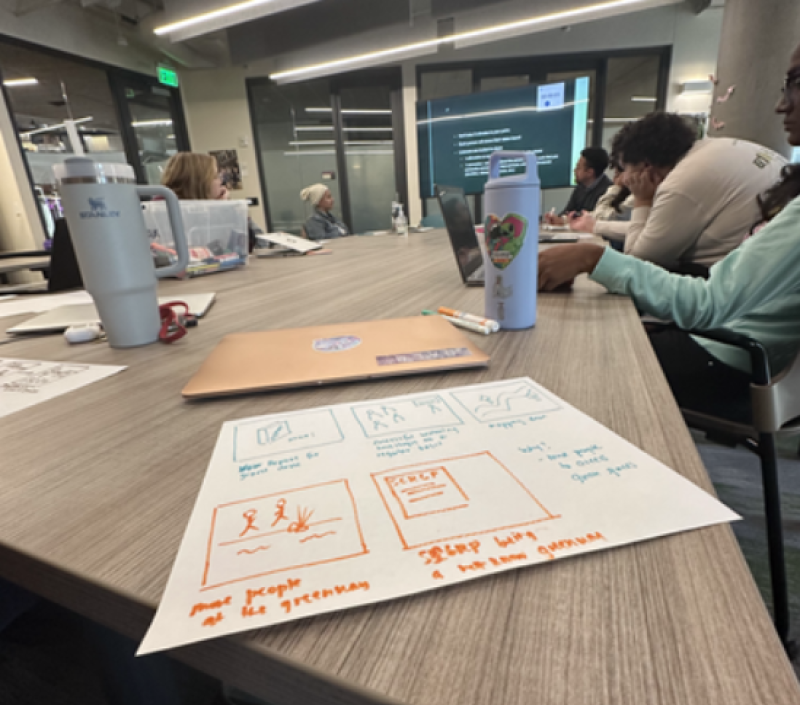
97	487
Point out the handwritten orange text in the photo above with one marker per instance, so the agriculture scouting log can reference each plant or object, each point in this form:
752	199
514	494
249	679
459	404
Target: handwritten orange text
439	554
513	538
553	547
495	561
310	597
203	606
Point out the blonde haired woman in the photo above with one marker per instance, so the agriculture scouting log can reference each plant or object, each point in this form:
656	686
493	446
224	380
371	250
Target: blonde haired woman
322	224
196	177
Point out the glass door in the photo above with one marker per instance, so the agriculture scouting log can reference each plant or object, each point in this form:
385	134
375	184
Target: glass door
368	146
346	133
295	135
153	118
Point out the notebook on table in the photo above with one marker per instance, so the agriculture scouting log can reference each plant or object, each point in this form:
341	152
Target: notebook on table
61	318
343	352
282	244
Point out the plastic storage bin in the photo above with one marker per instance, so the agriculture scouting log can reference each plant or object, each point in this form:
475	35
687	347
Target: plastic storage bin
216	232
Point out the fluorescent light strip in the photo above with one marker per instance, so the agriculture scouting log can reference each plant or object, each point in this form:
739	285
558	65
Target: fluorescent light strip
497	29
300	143
348	111
350	153
11	82
151	123
643	99
329	128
214	14
50	128
506	111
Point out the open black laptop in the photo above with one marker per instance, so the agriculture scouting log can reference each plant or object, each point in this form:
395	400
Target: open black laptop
458	221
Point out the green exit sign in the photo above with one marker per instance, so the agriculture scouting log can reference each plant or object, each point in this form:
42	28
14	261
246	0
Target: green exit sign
167	76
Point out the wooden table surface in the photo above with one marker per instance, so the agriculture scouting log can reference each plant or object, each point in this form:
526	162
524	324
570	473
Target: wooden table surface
97	487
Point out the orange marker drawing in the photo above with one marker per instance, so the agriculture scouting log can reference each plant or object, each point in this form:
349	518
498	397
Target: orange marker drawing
280	511
250	515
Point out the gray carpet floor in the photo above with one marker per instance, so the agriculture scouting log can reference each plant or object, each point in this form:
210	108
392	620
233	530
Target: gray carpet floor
45	659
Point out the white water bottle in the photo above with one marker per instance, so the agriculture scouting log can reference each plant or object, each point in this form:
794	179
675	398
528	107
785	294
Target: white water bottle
101	204
511	236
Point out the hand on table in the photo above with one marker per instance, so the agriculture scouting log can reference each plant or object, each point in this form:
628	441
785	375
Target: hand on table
553	219
560	265
582	223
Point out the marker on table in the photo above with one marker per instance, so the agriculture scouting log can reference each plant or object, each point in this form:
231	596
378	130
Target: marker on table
494	326
461	323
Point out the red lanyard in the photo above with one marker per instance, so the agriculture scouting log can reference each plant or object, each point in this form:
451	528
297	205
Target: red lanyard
173	323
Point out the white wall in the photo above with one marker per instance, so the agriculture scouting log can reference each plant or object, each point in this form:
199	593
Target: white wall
218	117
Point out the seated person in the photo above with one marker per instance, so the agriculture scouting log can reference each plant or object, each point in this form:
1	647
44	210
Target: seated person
693	200
592	184
754	291
196	177
322	224
611	217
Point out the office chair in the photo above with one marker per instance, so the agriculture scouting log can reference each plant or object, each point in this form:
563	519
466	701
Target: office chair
775	408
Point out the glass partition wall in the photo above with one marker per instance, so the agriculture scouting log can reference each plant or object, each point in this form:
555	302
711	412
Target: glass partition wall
118	116
345	133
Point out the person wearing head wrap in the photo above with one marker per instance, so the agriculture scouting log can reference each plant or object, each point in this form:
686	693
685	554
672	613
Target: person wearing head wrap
322	224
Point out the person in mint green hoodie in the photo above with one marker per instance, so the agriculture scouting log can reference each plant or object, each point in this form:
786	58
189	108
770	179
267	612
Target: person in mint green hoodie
754	290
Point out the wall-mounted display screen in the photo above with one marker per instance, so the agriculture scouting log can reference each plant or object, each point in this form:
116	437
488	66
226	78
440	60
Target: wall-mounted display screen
457	135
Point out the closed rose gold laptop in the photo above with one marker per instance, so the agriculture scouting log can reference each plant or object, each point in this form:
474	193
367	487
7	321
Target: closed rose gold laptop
299	357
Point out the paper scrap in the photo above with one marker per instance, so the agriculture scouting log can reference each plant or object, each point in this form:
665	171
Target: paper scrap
724	98
25	383
331	508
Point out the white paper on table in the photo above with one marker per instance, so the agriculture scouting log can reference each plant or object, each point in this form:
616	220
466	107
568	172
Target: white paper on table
24	383
320	510
40	304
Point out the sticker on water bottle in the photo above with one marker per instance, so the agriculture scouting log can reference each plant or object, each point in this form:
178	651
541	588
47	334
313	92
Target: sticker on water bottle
505	238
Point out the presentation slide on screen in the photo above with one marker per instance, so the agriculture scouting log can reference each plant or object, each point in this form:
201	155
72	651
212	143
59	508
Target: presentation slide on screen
457	135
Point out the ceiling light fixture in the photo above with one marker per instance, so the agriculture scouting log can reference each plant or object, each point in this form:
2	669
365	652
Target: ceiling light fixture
50	128
371	57
151	123
643	99
11	82
230	10
349	111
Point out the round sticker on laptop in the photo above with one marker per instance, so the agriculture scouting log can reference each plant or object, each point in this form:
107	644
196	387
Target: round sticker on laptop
337	344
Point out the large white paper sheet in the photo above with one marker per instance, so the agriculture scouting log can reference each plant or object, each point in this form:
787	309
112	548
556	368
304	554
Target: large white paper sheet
24	383
335	507
40	304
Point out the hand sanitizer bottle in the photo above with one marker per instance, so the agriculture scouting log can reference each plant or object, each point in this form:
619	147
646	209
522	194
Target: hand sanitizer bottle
401	222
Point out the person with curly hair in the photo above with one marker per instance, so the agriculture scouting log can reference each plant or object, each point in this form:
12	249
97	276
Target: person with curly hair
753	291
694	201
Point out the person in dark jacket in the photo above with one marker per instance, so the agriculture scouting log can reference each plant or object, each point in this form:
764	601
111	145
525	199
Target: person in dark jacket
592	184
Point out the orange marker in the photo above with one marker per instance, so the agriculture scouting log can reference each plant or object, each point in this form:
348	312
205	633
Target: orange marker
493	326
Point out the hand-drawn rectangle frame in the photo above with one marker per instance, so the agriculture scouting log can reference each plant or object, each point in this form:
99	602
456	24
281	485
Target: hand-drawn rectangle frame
492	387
289	450
425	427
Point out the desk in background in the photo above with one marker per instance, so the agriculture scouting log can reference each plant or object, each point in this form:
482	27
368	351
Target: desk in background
98	485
